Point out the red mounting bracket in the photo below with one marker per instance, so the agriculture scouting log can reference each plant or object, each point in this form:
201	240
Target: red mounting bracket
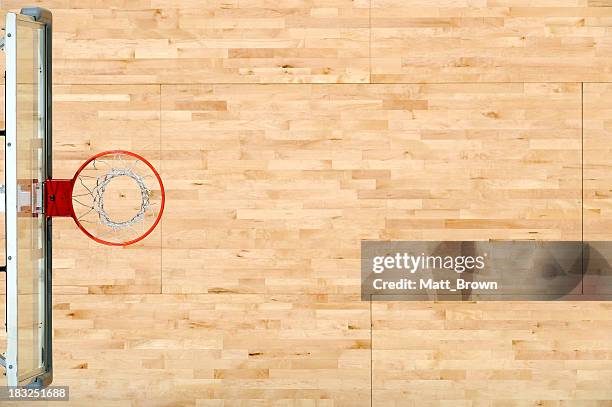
58	197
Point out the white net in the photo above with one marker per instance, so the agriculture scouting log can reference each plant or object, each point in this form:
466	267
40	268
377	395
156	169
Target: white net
117	198
98	193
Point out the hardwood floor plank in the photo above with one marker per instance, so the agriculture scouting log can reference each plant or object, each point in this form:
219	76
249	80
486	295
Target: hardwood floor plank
274	186
490	41
168	41
491	353
207	350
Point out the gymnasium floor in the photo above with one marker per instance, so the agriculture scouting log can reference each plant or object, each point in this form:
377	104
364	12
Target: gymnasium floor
286	132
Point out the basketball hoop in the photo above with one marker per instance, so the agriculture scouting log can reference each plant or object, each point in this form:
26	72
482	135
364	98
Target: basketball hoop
116	198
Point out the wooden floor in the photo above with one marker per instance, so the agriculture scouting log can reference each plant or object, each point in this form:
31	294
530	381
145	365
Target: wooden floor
287	131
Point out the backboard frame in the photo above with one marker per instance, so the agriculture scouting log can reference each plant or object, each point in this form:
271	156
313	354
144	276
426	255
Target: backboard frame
42	19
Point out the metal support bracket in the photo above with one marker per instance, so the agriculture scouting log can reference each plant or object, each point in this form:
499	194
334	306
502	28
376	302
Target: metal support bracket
58	197
2	198
37	198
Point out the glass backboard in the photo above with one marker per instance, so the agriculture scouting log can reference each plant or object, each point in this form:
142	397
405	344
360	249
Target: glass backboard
27	160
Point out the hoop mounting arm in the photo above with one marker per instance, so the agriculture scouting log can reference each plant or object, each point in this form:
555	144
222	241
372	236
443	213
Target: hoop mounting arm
58	197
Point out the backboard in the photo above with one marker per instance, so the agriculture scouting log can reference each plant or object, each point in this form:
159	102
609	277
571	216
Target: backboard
115	197
27	45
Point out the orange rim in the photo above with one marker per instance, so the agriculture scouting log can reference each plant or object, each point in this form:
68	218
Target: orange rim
161	210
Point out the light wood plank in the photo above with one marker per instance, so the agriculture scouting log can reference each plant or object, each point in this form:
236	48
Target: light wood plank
170	41
273	187
494	40
212	350
597	161
493	354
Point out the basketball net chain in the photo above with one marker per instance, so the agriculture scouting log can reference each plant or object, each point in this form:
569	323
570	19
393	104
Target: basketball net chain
98	198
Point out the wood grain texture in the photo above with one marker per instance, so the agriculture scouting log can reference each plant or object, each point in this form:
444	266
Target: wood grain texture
597	161
173	41
273	187
490	40
493	354
213	350
247	295
257	41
